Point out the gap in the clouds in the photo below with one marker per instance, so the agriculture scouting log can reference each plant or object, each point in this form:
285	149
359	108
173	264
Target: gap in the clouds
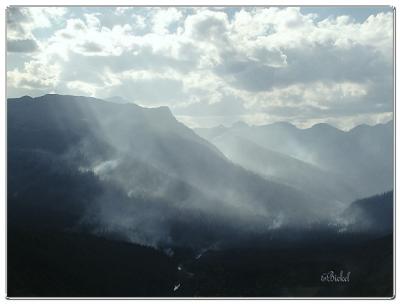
358	13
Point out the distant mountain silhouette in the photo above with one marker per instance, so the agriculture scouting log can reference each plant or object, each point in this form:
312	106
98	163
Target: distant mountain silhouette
362	157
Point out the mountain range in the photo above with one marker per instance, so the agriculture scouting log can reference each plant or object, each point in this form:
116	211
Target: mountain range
339	165
138	174
107	198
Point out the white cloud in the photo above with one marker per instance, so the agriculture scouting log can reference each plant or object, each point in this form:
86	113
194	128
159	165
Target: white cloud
22	21
35	75
261	60
164	18
82	88
139	22
122	10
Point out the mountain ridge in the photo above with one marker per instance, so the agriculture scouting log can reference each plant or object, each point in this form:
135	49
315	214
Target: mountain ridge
86	133
362	156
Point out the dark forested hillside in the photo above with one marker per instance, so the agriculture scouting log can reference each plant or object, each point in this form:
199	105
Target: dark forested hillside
374	214
60	264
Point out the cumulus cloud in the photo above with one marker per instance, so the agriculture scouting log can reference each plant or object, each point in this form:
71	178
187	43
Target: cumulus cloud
164	18
35	75
22	21
259	65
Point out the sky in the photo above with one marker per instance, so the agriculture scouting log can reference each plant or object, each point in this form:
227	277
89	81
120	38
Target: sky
212	65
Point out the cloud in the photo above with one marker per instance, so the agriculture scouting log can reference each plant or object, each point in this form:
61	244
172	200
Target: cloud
22	45
207	26
36	75
164	18
17	19
22	21
152	92
257	64
80	87
228	106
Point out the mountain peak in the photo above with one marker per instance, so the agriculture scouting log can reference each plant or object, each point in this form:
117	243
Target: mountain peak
164	110
322	125
239	124
64	98
367	126
220	127
282	124
23	98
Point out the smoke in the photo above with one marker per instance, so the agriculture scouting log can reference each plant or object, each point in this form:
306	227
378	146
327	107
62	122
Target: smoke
163	186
